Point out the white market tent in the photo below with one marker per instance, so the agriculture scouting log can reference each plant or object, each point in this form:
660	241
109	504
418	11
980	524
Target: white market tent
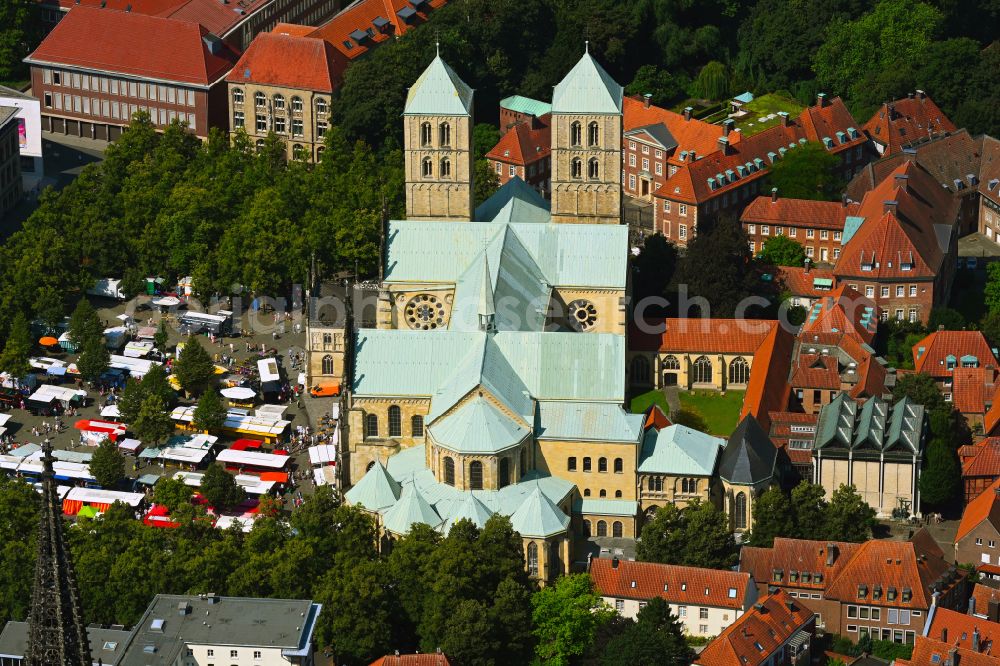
251	484
138	348
244	424
137	367
48	392
104	496
323	454
268	368
253	459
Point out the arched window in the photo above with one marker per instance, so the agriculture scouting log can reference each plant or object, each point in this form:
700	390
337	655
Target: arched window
671	363
576	134
475	475
618	494
640	369
444	134
298	151
417	425
533	559
619	466
427	168
395	421
602	528
371	425
260	145
702	370
586	529
739	371
602	464
571	464
684	486
576	168
237	95
593	134
321	106
593	168
319	152
445	167
586	492
449	471
503	473
425	134
586	464
616	529
740	511
279	102
603	493
259	99
327	365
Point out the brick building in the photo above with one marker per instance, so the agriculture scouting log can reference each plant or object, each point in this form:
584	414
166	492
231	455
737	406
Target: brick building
518	109
816	225
724	181
903	122
980	466
98	67
978	538
524	151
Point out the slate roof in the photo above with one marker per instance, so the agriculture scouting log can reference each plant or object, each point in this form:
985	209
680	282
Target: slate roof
673	583
749	457
657	134
438	91
680	451
587	88
769	624
901	122
150	47
266	62
930	355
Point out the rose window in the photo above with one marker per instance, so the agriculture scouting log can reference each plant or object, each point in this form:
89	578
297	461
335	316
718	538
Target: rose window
582	314
424	312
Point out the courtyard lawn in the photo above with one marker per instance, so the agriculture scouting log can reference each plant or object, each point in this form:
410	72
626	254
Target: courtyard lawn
763	106
721	412
641	402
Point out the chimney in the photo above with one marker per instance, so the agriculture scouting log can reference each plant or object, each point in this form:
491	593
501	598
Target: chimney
687	112
791	606
805	265
774	195
921	95
909	95
972	606
728	125
646	99
831	554
724	145
844	200
953	657
784	118
889	206
993	610
693	156
944	634
614	562
975	639
901	181
910	154
820	99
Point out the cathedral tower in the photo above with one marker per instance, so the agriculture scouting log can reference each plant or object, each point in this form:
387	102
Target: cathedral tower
586	146
437	136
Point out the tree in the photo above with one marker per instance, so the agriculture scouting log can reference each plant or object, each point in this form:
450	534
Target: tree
84	324
809	510
133	283
94	359
656	637
194	367
990	326
486	181
108	464
356	623
941	479
17	349
719	268
152	424
161	336
566	616
772	517
172	493
921	389
219	488
690	419
469	638
664	87
991	292
848	516
210	413
808	171
782	251
708	538
484	137
662	538
653	269
946	318
20	31
19	511
712	82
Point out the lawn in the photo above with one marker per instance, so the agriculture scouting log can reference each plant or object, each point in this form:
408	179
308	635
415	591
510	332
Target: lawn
721	412
763	106
641	402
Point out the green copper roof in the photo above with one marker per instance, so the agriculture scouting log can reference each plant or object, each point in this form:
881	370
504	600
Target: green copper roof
477	427
486	306
539	517
680	451
411	508
469	508
376	490
438	92
851	225
587	89
519	104
606	507
515	201
587	421
876	425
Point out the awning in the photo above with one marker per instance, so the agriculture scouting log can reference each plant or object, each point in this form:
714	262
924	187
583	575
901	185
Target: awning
238	393
823	282
277	477
56	371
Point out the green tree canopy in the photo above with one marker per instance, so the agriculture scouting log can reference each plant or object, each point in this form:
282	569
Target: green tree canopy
194	367
210	413
172	493
992	289
712	82
808	171
664	87
772	517
699	536
152	423
809	510
656	637
20	31
219	488
566	616
84	324
108	464
718	267
17	348
782	251
848	516
94	359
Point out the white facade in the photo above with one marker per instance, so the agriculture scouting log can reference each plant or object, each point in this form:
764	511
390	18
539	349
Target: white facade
29	119
696	620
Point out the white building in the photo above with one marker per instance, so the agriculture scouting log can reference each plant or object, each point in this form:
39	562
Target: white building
29	120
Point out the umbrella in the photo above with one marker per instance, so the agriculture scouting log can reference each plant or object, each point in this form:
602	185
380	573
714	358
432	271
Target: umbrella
239	393
48	341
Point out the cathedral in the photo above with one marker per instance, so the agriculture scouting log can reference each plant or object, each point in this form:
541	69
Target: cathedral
494	378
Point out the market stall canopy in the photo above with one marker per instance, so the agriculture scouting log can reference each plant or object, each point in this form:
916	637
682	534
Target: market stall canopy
48	341
239	393
131	445
111	412
166	301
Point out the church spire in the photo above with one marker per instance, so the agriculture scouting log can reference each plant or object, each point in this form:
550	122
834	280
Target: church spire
487	309
57	633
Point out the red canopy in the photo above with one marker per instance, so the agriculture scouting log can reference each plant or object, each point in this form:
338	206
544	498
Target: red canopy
277	477
244	444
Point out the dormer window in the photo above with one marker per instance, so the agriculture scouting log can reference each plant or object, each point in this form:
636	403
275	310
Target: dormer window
877	592
891	596
862	591
778	575
907	594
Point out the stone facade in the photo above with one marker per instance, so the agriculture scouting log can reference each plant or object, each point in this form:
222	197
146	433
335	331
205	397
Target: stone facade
368	445
885	484
656	490
586	168
691	370
439	168
600	470
300	118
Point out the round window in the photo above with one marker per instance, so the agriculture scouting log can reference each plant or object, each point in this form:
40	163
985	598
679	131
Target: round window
424	312
582	314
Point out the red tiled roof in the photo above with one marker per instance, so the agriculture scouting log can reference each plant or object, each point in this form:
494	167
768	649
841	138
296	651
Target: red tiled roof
799	555
412	660
904	121
992	417
768	388
218	18
266	61
984	506
928	652
523	144
871	376
694	134
816	372
842	311
887	240
799	282
938	345
985	459
989	569
676	584
360	16
982	595
293	29
959	628
718	336
150	47
655	418
147	7
758	633
972	389
798	213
